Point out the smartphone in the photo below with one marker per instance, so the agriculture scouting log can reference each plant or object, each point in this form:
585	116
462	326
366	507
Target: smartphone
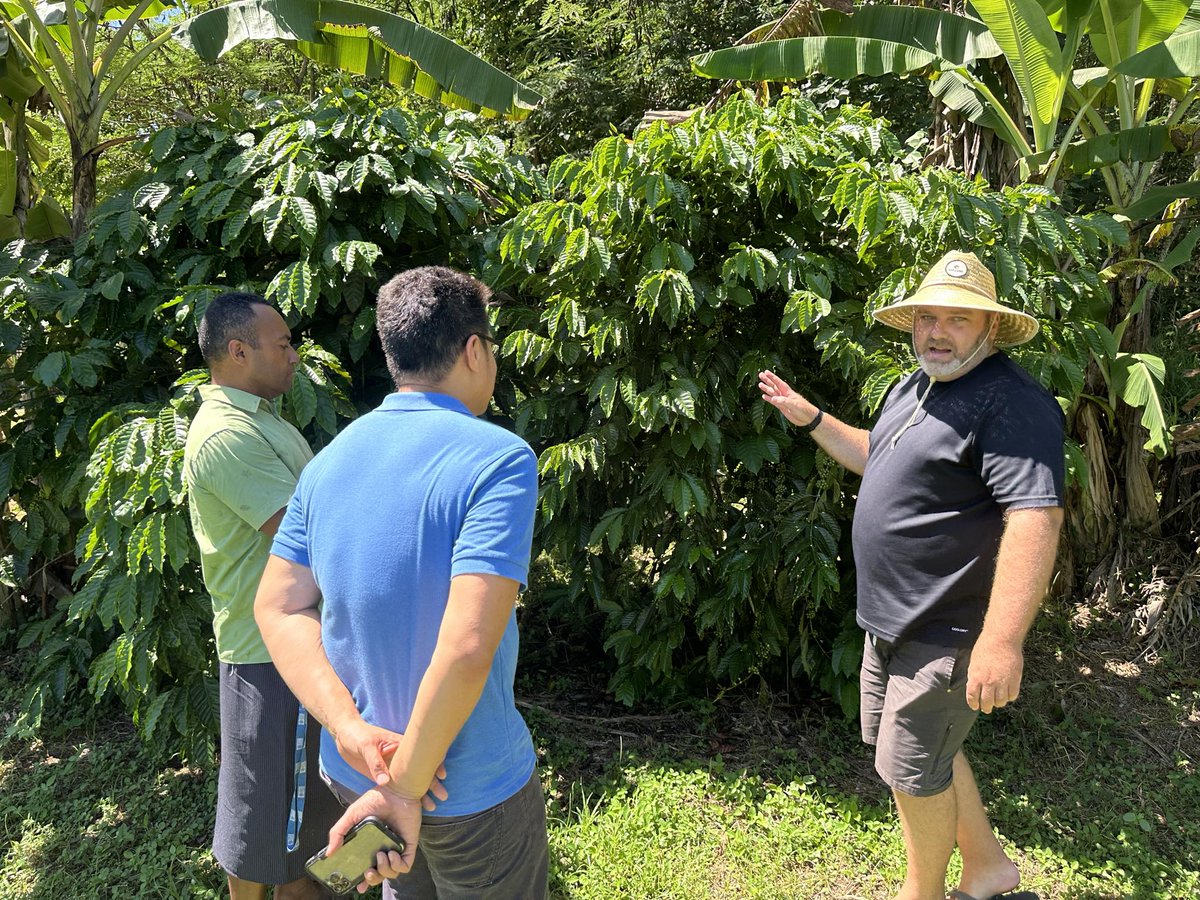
342	871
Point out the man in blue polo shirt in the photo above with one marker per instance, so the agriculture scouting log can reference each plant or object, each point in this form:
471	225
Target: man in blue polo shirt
388	606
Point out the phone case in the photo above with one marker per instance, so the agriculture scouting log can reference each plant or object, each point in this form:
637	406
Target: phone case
343	871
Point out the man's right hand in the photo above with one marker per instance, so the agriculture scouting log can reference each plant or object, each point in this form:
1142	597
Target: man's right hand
401	814
795	408
369	749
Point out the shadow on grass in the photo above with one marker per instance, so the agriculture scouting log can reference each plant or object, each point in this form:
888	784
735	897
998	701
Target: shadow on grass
87	812
1090	779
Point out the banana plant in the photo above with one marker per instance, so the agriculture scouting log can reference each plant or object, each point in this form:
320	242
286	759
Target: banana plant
1112	124
81	52
25	210
366	41
74	49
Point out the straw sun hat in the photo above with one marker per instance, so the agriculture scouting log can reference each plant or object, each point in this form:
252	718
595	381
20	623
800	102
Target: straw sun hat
960	280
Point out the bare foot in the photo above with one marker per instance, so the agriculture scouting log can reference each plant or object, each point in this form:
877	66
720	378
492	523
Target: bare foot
983	884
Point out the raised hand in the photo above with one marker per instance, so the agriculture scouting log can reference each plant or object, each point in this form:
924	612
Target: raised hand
795	408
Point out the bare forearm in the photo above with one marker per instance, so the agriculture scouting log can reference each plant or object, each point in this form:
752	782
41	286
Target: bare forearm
286	612
473	624
1024	566
294	642
845	443
448	694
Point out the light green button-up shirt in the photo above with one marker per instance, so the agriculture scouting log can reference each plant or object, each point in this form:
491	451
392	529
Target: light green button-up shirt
241	462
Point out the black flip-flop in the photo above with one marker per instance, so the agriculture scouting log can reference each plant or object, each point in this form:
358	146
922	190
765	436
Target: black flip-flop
1011	895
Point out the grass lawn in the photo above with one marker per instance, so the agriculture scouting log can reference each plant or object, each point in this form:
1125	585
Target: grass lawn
1091	779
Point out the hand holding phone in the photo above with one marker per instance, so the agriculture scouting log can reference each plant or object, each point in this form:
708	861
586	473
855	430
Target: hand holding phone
343	870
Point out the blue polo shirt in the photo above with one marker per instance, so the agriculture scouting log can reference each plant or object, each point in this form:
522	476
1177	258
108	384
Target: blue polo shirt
407	497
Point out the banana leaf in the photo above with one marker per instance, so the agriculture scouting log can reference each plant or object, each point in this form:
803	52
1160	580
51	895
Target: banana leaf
1063	13
1096	86
1155	21
864	43
1176	57
54	12
120	10
959	39
797	58
955	92
17	83
366	41
45	221
1143	144
800	20
1154	200
1034	56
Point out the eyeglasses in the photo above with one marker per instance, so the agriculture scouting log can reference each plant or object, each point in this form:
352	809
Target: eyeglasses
489	339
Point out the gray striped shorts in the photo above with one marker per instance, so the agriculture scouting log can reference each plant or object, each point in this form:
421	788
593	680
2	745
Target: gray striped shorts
254	787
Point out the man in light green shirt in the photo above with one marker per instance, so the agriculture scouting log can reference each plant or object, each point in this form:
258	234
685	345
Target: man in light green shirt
241	463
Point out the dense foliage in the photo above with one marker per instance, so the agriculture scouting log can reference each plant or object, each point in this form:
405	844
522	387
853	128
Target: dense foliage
1105	95
657	278
309	209
600	64
651	280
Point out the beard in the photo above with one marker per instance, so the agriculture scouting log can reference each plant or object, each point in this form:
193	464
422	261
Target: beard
944	368
940	368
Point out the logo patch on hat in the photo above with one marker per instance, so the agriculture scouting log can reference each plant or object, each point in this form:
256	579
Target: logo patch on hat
956	268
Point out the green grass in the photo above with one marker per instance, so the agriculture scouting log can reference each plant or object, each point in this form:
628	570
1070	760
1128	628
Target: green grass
1091	780
691	831
90	814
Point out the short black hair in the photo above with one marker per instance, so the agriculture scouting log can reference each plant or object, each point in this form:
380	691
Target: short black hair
228	317
424	317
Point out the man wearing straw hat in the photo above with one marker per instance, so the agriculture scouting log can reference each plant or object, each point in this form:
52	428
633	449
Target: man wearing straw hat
955	533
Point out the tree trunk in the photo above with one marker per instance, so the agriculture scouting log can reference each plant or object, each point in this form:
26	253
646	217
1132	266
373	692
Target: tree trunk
1140	506
1121	494
959	143
1091	512
83	186
17	138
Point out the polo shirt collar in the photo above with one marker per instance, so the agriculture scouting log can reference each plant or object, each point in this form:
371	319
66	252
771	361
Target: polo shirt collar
235	397
422	401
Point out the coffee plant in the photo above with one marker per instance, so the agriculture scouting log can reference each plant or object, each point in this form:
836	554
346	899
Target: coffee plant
657	277
311	208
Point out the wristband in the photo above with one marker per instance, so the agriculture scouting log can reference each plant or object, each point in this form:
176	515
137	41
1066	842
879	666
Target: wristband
816	420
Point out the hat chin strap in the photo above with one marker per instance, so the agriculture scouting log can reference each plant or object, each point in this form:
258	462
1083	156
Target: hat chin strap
982	342
979	345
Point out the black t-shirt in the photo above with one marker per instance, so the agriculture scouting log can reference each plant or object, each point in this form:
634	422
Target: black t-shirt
930	511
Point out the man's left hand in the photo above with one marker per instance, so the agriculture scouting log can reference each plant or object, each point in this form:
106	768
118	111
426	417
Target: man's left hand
994	675
401	814
368	748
